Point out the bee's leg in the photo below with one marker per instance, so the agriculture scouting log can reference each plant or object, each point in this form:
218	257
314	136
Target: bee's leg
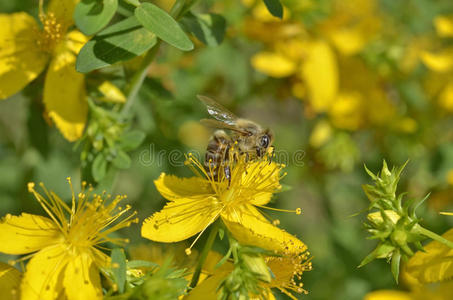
225	162
258	152
271	156
227	171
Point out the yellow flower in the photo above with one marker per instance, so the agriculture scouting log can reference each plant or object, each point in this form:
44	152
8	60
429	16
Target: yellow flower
433	265
26	49
352	25
432	292
9	282
196	202
286	269
65	247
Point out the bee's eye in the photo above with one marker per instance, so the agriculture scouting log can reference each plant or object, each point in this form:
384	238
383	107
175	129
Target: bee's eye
264	141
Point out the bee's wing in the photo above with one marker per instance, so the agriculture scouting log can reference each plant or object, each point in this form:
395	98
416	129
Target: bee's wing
222	125
217	111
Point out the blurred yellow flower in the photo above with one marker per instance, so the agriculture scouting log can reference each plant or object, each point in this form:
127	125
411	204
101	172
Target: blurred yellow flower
432	292
444	25
346	112
196	202
286	270
433	265
352	25
65	247
26	49
9	282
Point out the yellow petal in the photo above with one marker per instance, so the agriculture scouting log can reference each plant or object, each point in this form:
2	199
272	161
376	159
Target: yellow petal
346	112
320	134
179	220
266	173
250	229
388	295
439	62
273	64
64	93
187	213
320	73
63	11
43	278
444	25
446	97
21	60
27	233
81	279
434	265
207	290
111	93
348	41
173	188
9	282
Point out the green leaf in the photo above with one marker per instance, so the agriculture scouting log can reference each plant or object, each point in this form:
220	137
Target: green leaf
119	42
274	7
141	264
131	140
99	167
91	16
133	2
395	264
208	28
221	233
163	25
122	160
119	268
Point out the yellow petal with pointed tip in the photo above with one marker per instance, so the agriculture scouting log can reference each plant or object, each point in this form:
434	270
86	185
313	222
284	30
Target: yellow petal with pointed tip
433	265
43	278
320	72
173	188
81	279
249	229
388	295
179	220
9	282
27	233
21	60
64	92
439	62
273	64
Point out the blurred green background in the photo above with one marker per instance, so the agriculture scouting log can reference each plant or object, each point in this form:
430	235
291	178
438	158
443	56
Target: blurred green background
341	84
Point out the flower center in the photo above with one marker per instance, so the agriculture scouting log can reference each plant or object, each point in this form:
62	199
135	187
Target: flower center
51	34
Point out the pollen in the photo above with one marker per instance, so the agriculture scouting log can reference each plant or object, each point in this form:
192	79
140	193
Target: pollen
288	269
51	34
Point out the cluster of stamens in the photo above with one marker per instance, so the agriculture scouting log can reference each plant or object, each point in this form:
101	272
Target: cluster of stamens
288	269
90	217
51	34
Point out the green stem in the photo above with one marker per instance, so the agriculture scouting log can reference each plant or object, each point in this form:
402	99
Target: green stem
139	77
204	254
434	236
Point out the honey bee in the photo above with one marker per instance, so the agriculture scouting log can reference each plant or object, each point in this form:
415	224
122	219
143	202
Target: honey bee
248	138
